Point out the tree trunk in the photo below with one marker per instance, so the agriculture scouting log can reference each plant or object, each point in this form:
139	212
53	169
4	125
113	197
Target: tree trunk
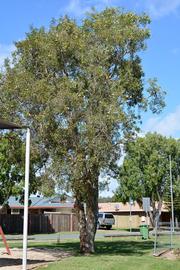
92	216
155	214
79	205
87	216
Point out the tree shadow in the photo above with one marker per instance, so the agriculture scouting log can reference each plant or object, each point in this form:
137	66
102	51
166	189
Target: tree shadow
120	247
14	262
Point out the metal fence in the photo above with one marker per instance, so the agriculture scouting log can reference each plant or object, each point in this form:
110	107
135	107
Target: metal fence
166	237
39	223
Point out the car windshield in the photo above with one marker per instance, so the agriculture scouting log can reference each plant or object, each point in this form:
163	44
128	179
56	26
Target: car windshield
100	215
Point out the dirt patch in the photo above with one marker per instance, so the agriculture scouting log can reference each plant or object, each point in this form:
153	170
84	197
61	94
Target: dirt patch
36	257
170	255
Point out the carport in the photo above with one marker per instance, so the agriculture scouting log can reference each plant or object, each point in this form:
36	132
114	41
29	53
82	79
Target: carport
5	125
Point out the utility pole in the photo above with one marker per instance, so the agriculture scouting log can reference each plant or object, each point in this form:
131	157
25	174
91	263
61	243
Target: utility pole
171	191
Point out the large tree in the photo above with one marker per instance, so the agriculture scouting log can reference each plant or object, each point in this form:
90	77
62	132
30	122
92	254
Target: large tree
145	171
81	89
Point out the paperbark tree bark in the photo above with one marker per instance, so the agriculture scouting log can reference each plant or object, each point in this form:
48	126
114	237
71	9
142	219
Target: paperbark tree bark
88	214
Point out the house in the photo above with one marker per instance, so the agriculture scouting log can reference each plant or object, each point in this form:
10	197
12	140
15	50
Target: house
127	215
41	205
46	215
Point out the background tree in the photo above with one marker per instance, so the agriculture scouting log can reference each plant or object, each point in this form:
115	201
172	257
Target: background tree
12	166
12	163
145	171
81	89
106	199
176	186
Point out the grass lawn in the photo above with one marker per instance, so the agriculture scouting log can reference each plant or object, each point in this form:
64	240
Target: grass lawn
126	253
108	262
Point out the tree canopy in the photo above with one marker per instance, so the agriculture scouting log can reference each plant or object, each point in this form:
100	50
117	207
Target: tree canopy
81	89
145	171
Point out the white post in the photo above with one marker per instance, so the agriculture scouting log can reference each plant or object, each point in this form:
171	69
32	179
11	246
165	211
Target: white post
171	190
130	217
26	199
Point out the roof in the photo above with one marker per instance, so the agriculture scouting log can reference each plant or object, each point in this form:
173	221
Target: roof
120	207
41	203
8	125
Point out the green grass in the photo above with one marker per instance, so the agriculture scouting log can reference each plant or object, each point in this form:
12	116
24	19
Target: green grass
113	263
126	253
114	255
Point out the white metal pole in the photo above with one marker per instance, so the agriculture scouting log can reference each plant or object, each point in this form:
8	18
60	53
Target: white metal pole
130	217
26	199
171	190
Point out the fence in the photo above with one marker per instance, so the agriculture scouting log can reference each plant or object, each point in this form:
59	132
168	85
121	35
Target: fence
165	237
39	223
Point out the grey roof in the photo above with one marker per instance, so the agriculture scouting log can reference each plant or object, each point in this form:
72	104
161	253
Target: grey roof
41	202
8	125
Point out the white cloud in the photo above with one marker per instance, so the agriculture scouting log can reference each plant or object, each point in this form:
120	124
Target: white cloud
168	125
5	51
160	8
156	8
79	8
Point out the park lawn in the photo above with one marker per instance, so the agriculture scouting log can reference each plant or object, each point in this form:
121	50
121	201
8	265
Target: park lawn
111	254
115	262
125	253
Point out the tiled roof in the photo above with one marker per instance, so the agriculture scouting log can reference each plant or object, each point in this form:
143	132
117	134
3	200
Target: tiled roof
41	202
120	207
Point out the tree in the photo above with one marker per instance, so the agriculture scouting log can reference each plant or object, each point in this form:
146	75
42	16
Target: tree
12	167
11	164
81	89
176	189
145	170
106	199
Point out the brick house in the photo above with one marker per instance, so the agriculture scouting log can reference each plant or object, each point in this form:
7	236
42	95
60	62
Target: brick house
41	205
127	215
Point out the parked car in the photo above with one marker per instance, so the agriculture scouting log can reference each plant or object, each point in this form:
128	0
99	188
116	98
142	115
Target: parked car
105	220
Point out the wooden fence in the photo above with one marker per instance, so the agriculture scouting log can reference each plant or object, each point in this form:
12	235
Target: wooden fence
39	223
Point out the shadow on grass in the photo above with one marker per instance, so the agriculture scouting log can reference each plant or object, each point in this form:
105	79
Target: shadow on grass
115	247
121	247
5	262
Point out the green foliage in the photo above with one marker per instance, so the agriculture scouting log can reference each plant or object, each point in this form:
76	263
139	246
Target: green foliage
145	170
79	88
12	166
105	199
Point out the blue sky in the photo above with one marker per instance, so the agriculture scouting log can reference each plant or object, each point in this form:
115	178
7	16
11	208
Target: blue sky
161	59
